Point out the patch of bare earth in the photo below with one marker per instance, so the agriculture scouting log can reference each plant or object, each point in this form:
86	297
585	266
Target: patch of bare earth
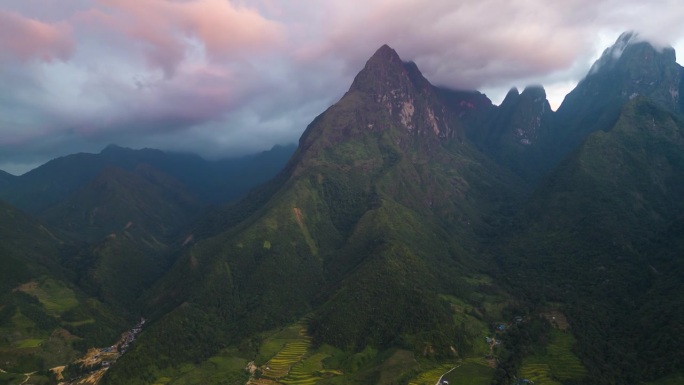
298	215
27	287
57	370
557	319
93	378
64	334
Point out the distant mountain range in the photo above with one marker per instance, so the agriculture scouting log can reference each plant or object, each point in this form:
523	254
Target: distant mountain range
213	182
413	230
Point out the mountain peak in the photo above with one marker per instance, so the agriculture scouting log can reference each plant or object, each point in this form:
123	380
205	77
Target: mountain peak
113	148
534	91
629	68
630	46
383	69
627	37
385	54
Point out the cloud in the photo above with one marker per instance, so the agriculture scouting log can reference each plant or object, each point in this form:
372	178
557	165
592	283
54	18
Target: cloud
163	29
28	39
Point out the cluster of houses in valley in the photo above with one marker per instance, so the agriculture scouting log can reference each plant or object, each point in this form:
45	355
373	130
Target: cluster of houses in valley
106	356
127	338
97	361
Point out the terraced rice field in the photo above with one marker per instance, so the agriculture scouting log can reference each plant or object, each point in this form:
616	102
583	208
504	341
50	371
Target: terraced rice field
564	364
559	362
304	372
538	373
292	353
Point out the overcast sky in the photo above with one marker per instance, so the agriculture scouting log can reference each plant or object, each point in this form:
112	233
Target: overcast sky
224	78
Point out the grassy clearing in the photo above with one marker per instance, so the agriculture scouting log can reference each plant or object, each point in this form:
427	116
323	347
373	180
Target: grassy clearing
430	377
28	343
56	297
228	363
162	381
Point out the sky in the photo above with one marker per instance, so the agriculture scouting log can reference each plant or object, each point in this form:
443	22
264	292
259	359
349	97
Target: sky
225	78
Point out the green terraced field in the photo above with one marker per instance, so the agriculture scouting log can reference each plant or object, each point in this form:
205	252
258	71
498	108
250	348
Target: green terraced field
305	372
540	374
564	363
559	362
292	353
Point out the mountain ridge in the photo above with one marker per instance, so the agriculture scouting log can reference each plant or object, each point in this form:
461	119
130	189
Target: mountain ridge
214	182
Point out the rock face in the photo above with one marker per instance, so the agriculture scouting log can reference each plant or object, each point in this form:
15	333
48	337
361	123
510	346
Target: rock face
521	117
408	97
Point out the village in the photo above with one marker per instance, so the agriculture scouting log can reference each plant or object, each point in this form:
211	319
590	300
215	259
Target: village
97	361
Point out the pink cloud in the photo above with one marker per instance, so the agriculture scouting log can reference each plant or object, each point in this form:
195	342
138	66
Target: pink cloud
462	44
163	29
28	39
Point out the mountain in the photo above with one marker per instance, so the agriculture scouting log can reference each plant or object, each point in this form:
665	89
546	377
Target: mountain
130	219
631	67
45	319
369	230
213	182
525	135
6	178
515	134
473	108
600	236
145	201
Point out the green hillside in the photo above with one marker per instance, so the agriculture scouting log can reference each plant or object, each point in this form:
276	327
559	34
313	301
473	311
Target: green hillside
45	320
598	237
